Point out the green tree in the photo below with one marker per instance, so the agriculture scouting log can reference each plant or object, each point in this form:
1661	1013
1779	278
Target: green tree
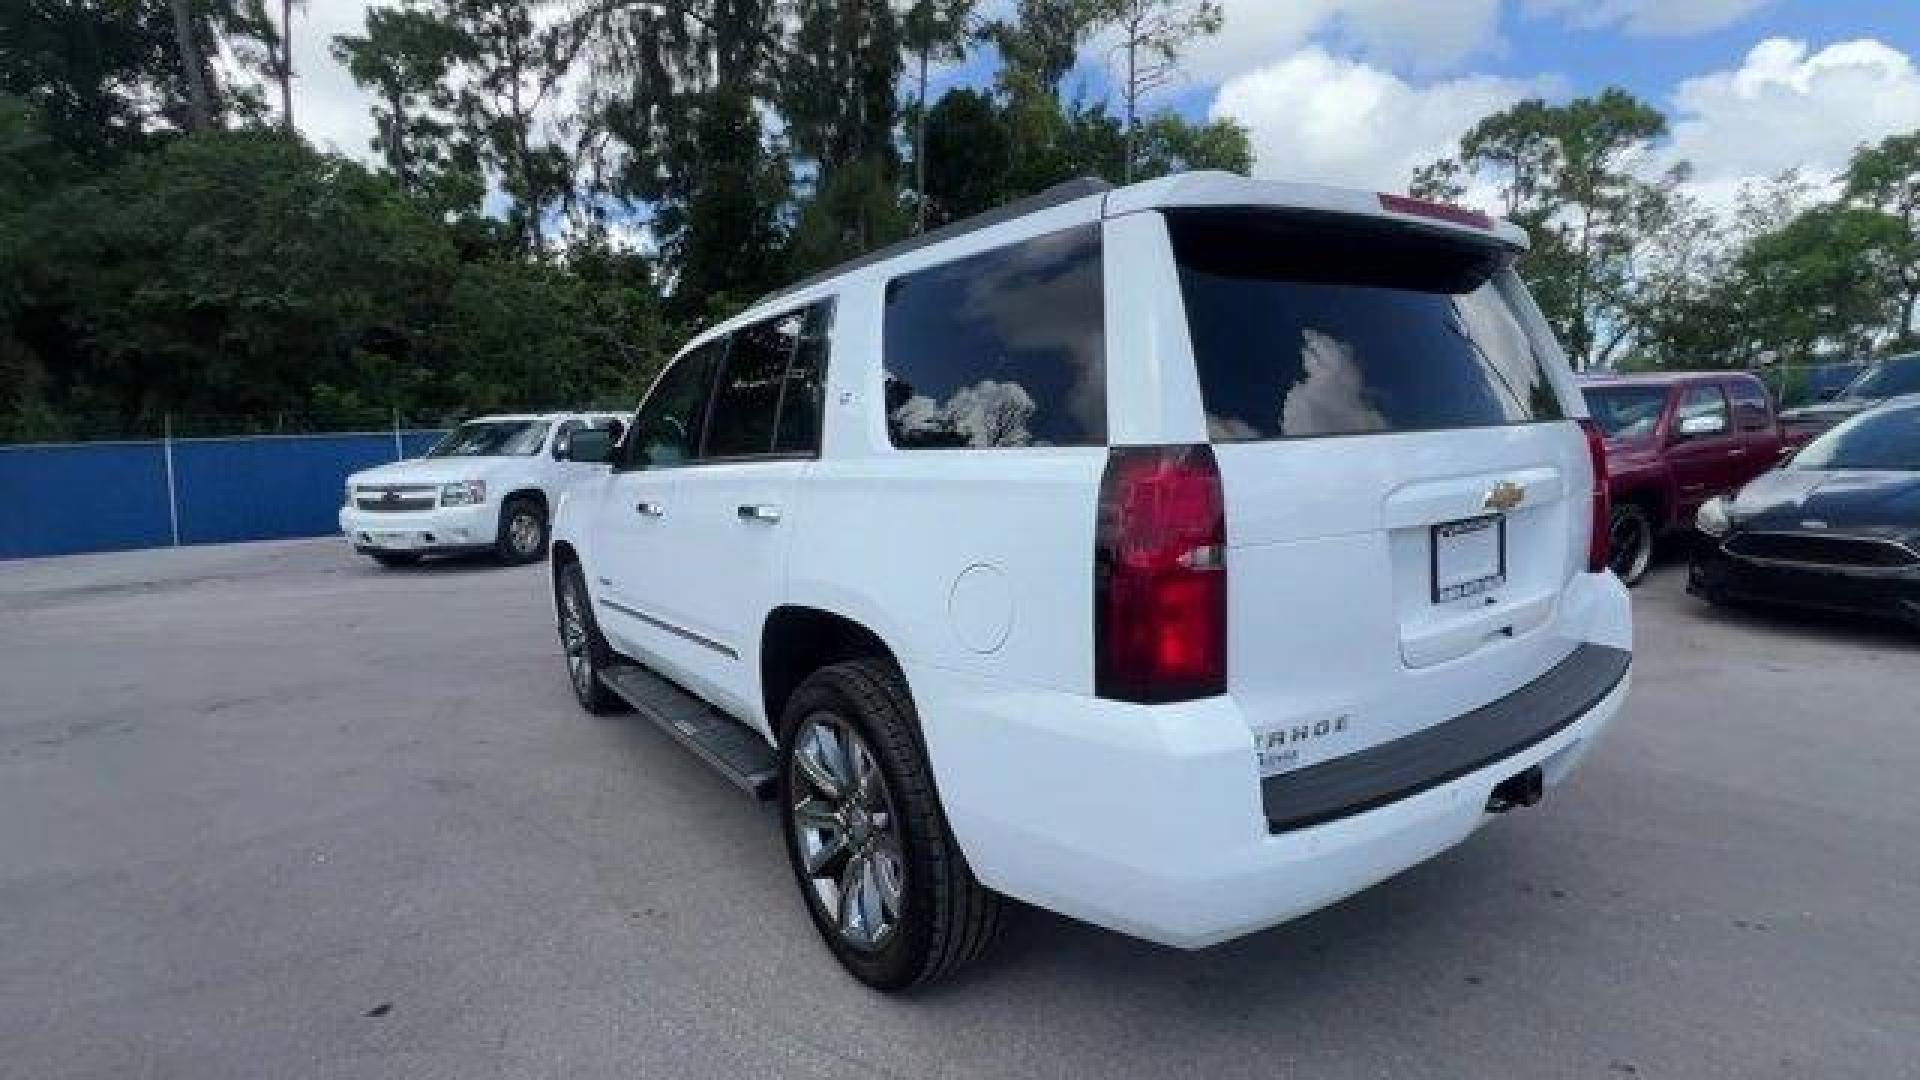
855	210
514	59
970	152
1569	175
1886	177
681	89
838	86
1153	34
839	96
226	273
1169	143
519	334
1040	45
280	62
405	58
108	77
930	30
1825	282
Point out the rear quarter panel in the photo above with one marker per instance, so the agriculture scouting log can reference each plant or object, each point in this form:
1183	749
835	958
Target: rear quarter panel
885	536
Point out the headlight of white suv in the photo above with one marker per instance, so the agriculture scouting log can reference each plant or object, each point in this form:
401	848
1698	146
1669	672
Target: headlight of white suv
1712	518
471	493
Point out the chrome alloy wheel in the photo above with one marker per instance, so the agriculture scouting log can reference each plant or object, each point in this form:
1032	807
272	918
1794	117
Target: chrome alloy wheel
846	831
523	533
573	638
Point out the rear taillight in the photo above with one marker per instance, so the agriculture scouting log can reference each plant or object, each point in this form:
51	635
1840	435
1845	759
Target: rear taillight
1597	553
1160	576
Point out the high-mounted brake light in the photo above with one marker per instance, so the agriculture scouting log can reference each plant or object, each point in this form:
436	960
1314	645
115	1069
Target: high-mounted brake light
1439	211
1160	576
1598	544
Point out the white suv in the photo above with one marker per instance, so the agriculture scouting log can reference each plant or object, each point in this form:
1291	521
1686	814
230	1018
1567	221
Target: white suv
487	486
1181	558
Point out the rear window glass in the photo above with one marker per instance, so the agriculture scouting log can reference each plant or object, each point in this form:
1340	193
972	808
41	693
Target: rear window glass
1751	405
1627	412
1004	348
1306	325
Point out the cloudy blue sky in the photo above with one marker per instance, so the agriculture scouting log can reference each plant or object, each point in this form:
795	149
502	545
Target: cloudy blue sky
1358	92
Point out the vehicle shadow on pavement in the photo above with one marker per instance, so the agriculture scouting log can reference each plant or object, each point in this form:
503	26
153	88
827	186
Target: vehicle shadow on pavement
1856	630
474	562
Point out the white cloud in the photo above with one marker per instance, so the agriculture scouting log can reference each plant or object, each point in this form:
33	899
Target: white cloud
1786	106
1317	117
1428	35
330	110
1653	18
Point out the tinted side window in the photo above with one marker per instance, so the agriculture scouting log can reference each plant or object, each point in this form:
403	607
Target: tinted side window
666	431
1751	406
1307	325
747	404
1703	400
1004	348
800	401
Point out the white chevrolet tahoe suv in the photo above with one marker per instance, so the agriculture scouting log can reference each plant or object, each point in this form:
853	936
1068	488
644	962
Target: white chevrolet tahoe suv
1181	558
489	485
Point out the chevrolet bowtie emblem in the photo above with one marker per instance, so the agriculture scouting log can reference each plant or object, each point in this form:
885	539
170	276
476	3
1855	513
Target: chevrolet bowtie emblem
1505	496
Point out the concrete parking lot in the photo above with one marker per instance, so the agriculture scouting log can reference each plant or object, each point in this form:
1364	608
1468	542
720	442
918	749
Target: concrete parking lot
271	811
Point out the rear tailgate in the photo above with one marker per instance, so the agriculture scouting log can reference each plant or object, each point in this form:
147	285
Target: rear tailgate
1405	498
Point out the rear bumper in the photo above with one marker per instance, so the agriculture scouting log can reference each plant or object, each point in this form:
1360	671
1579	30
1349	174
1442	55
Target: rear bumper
1487	736
1155	822
1890	593
443	529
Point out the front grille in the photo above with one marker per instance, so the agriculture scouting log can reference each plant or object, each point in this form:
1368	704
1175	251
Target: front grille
394	500
1812	549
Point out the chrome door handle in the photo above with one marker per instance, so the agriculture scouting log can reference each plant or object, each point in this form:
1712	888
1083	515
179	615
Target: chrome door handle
759	512
1736	452
651	509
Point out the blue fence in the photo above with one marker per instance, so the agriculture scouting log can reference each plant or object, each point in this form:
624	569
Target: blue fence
71	497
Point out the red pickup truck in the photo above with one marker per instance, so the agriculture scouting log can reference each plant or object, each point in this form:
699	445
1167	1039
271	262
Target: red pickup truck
1675	440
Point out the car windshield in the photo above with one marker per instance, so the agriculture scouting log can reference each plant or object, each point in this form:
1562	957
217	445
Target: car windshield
1884	439
1888	378
492	438
1630	413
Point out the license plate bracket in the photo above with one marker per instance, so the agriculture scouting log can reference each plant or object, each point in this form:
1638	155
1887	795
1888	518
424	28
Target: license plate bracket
1468	557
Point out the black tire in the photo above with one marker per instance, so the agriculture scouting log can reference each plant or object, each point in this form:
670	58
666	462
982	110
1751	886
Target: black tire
946	918
584	667
395	558
1631	522
523	532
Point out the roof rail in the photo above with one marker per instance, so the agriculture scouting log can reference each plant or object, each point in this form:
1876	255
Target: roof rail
1066	192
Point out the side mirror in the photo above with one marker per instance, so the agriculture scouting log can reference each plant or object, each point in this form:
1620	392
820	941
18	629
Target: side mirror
1694	427
1830	393
593	446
